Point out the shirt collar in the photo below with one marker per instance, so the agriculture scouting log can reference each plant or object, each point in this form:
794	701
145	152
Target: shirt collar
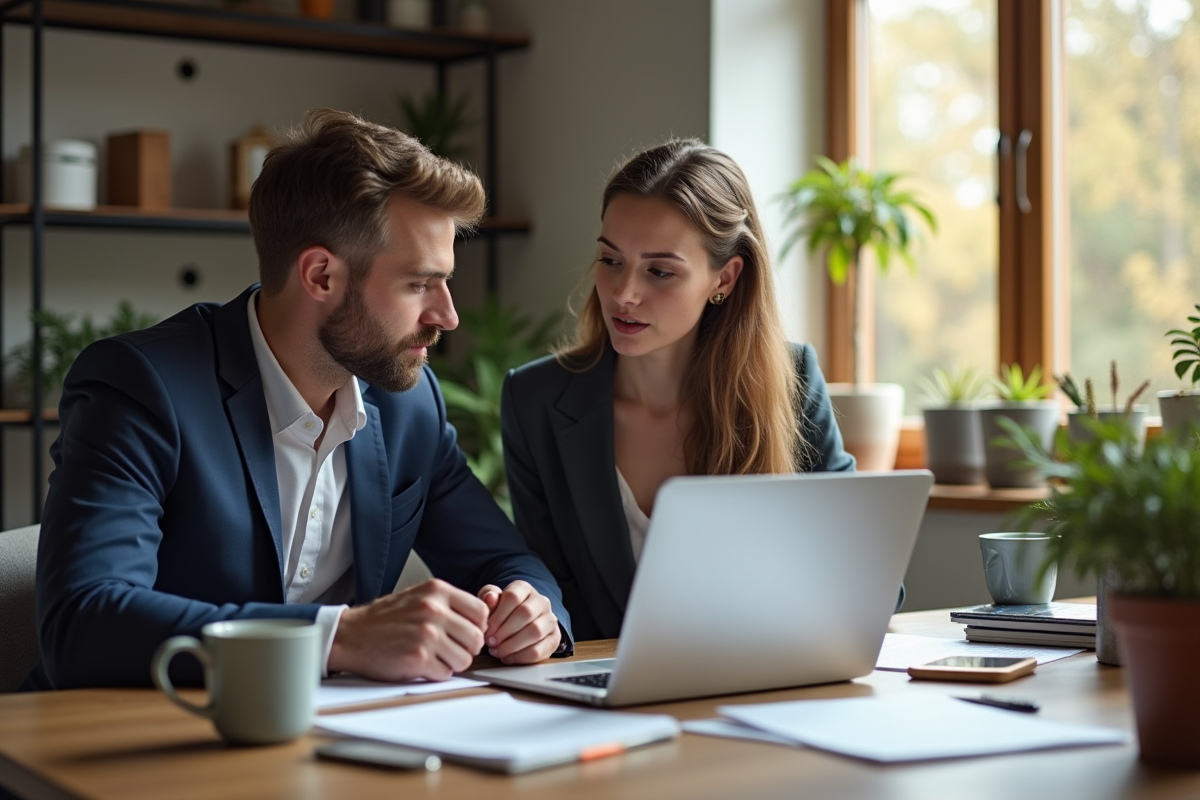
285	405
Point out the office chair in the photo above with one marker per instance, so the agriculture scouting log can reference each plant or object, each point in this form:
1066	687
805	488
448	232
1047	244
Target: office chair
18	628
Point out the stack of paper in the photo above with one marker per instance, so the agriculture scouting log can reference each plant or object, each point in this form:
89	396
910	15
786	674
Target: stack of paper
1054	624
497	732
351	690
914	727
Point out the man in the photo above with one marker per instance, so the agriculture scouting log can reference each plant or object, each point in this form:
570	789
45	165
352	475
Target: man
280	455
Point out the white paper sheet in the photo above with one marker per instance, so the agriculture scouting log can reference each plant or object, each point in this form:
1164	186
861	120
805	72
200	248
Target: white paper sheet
728	729
901	651
351	690
498	731
914	727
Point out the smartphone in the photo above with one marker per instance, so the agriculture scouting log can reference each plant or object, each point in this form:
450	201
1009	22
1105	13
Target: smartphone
378	754
976	669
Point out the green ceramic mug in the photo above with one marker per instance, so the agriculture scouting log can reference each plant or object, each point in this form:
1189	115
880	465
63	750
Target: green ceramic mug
261	675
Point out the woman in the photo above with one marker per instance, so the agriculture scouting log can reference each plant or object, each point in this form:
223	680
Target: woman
679	366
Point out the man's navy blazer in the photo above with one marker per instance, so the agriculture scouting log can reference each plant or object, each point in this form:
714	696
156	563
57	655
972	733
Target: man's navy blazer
163	509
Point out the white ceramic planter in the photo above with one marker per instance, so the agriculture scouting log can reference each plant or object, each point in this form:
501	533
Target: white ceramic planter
954	444
1179	410
1041	416
869	418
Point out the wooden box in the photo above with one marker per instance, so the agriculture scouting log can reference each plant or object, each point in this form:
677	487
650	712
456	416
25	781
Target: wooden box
139	169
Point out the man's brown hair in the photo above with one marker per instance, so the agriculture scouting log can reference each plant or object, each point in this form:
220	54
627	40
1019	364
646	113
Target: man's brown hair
328	183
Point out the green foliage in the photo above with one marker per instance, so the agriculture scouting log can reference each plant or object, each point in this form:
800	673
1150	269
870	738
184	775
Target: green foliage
437	120
1015	387
847	208
1187	357
503	338
1136	514
1071	389
64	337
961	384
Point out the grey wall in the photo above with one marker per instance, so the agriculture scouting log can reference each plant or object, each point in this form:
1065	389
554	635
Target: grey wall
946	569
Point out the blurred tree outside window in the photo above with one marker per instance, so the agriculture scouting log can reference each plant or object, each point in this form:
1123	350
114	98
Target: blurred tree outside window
1131	73
933	116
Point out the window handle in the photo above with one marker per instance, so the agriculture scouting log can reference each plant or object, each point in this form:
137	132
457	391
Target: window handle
1022	151
1003	151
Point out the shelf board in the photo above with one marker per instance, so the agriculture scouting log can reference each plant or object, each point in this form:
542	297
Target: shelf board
187	21
186	219
23	416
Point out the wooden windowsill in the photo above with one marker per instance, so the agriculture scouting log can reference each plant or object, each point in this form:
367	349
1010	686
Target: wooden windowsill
982	498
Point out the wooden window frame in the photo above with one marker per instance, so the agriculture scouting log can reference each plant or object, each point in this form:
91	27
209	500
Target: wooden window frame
1028	302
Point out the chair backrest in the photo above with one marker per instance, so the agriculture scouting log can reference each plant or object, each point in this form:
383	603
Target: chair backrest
18	627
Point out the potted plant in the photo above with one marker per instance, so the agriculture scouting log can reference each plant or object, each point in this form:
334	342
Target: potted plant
437	120
1023	399
501	339
1135	516
848	210
953	437
1129	414
1181	409
63	338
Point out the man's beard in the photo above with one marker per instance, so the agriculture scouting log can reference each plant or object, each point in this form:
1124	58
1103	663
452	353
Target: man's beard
358	343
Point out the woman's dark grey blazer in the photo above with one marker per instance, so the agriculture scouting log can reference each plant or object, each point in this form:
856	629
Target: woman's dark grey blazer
560	455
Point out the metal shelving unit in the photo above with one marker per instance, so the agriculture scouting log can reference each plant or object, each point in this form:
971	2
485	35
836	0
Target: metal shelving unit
440	47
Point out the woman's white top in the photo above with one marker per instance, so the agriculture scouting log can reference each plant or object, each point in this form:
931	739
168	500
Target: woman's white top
637	519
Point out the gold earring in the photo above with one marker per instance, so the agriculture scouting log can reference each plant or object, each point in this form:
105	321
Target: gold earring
717	298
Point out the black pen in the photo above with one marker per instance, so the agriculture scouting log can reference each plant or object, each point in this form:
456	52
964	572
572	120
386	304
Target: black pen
1007	702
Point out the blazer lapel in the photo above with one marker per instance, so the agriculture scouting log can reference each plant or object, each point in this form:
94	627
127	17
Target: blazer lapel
370	515
247	411
584	429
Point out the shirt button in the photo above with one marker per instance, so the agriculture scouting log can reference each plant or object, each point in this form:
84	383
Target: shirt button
304	572
308	426
314	513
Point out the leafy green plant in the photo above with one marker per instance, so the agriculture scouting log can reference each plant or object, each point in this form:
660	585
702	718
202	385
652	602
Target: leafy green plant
64	336
502	338
1015	387
848	209
956	386
1137	514
437	120
1187	357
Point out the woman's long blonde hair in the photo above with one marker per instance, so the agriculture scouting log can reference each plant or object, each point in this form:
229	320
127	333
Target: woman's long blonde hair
742	380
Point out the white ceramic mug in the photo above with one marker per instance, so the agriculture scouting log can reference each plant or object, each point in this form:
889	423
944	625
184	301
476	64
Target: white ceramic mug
1011	563
261	676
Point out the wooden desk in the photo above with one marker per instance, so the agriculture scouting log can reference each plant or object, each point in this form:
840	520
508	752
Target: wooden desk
132	744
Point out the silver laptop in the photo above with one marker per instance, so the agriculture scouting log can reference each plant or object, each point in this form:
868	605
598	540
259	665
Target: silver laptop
749	583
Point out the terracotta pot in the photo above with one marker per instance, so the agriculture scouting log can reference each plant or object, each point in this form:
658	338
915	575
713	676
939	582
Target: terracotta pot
1160	647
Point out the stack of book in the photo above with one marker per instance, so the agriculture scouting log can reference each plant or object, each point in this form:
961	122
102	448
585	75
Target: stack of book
1053	624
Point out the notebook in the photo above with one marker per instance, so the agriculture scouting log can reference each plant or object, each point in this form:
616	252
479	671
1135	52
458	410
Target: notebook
749	583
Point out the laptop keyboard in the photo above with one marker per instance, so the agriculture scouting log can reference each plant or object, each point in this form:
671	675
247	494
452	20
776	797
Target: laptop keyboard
596	680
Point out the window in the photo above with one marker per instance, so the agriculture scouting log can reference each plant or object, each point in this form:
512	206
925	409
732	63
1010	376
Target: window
1091	253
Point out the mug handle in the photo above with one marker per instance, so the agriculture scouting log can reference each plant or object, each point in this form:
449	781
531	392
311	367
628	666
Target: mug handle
162	660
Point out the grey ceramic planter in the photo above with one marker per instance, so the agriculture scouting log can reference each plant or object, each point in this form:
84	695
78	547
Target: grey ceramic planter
954	444
1136	420
1042	417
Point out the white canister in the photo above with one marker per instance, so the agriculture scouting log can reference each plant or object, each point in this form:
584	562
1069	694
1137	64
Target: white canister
410	13
68	174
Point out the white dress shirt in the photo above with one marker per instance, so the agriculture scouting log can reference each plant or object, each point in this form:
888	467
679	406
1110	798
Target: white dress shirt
637	520
317	553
